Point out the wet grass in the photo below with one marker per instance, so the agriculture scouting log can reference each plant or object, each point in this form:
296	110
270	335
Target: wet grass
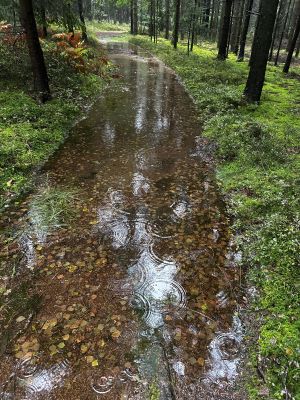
53	207
259	164
30	132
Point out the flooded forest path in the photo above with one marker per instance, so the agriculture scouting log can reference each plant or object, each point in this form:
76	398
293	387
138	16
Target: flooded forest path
117	276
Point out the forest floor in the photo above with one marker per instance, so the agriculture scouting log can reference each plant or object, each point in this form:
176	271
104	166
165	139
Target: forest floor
258	171
41	128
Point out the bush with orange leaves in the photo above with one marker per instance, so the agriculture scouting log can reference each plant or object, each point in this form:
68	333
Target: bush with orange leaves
83	58
9	37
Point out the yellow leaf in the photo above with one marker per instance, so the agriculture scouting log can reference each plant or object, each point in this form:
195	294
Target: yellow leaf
95	363
61	345
83	348
201	361
116	334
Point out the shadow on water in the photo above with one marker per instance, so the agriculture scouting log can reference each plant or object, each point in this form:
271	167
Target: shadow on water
139	288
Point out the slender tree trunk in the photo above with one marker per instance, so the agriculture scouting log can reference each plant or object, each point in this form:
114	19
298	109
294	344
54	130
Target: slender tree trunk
293	22
225	31
39	70
82	21
260	50
292	48
237	28
282	33
134	17
275	31
194	25
245	30
176	23
43	18
131	17
167	33
297	50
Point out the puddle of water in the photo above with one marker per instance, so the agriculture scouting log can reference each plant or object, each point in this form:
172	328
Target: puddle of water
139	290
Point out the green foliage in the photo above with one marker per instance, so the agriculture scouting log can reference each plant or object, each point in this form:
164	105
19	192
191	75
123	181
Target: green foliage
258	150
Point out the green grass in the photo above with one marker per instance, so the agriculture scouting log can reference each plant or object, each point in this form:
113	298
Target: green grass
95	27
259	166
30	132
53	207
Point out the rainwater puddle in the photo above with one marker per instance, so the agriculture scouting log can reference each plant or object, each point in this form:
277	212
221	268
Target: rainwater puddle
123	287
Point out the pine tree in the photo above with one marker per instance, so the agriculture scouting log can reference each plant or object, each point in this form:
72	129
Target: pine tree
260	50
39	70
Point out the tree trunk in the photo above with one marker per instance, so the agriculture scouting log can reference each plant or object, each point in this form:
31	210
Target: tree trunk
282	33
131	17
245	30
225	31
237	26
82	21
176	23
275	31
134	17
40	76
293	22
167	33
43	18
292	48
260	50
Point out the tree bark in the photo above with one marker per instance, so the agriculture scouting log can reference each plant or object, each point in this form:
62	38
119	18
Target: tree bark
43	18
176	23
293	22
260	50
82	21
131	17
245	30
275	31
237	26
40	76
167	32
134	17
292	48
225	31
282	33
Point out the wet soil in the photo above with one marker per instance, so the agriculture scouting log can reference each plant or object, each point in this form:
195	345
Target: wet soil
134	295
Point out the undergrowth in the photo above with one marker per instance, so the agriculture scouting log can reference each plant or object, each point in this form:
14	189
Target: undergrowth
30	132
259	164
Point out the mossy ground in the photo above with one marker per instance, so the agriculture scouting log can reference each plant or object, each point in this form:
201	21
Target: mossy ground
30	132
259	165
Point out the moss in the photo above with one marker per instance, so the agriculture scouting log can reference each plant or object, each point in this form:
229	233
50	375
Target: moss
258	170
